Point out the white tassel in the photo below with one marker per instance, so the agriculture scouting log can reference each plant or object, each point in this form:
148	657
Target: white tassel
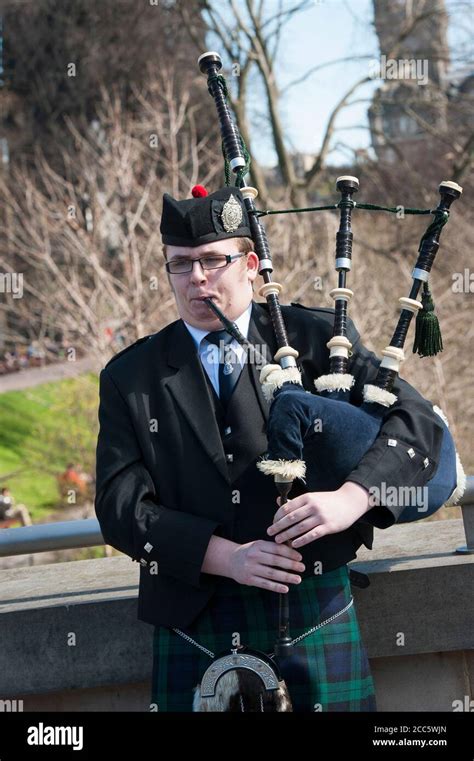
287	469
461	483
461	480
379	395
273	377
440	412
334	382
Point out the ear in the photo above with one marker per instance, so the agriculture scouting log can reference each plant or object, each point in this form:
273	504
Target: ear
252	265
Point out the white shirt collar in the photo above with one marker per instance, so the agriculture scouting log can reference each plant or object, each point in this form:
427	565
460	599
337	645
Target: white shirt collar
242	323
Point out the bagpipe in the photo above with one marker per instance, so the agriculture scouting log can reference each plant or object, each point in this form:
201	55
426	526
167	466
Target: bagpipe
347	430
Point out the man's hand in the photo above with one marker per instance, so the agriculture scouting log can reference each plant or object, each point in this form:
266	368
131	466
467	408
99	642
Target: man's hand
317	513
260	564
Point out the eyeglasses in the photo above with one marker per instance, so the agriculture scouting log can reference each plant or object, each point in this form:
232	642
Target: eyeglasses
209	262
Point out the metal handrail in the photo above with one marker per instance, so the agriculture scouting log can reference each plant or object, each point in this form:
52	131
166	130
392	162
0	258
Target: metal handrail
66	535
467	505
44	537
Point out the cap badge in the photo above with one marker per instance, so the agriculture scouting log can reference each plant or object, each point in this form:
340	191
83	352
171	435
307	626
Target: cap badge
231	215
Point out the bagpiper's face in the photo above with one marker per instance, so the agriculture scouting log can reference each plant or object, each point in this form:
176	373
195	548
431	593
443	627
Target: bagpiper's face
230	287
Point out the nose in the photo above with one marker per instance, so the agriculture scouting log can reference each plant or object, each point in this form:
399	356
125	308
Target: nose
198	274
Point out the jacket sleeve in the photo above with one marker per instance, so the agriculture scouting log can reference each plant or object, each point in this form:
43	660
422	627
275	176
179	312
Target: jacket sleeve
411	422
127	505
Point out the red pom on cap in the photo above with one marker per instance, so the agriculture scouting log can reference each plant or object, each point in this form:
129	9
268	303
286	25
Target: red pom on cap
199	192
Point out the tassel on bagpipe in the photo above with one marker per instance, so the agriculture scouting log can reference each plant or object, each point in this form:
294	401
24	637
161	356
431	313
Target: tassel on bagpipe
291	427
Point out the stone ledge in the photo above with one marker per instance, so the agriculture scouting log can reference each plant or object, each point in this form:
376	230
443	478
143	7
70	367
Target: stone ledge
418	588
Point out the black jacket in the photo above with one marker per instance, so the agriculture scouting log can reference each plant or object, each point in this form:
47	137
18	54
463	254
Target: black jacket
163	485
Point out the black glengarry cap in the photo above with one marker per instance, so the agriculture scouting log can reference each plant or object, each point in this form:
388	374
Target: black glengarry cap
195	221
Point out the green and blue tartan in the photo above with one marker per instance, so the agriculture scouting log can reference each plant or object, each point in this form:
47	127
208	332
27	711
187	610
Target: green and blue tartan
336	674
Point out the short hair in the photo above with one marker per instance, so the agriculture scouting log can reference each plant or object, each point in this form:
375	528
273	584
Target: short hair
246	245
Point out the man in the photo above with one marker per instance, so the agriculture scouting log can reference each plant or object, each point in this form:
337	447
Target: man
10	511
178	489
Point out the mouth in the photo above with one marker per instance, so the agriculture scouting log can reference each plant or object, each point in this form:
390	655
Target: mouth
202	298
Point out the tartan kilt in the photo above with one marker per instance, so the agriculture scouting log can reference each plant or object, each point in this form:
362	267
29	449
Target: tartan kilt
335	675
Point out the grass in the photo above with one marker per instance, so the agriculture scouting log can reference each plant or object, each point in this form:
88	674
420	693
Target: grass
34	424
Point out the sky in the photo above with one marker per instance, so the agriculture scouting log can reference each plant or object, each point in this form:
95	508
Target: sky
330	30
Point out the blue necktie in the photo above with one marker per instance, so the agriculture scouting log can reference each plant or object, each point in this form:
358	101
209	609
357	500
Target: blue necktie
229	365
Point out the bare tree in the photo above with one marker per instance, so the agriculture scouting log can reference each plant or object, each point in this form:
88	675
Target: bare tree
87	239
249	34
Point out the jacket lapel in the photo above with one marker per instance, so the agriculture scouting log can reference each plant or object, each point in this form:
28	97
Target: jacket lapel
261	335
191	393
189	384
